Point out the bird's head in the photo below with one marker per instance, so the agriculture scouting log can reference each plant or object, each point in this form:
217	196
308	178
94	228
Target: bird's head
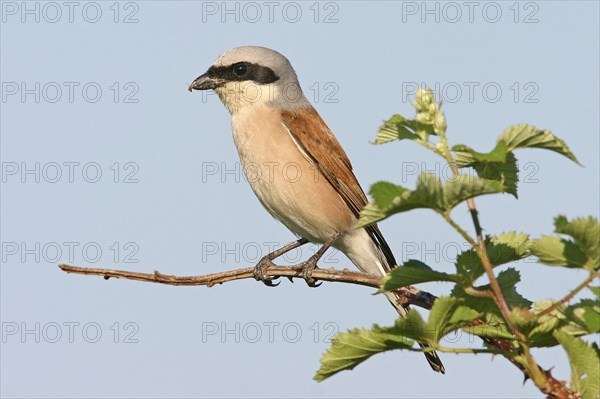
251	76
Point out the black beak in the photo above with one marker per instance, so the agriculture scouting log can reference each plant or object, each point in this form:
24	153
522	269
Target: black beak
204	82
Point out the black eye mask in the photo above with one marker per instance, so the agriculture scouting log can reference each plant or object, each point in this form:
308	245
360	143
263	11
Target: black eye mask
242	71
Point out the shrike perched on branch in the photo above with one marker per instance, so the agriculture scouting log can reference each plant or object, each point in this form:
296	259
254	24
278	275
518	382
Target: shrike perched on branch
273	123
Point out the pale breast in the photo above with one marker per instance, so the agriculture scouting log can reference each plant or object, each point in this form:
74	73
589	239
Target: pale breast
284	181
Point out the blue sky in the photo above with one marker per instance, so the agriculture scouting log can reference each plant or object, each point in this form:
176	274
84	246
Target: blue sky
108	161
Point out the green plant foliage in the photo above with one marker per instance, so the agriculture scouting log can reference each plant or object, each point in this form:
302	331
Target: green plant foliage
413	272
389	199
400	128
447	315
585	364
354	347
501	249
586	234
527	136
493	308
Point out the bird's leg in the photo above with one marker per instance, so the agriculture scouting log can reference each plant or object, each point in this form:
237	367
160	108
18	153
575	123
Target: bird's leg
308	266
260	270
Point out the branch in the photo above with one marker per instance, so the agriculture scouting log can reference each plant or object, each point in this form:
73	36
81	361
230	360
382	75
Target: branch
408	295
570	295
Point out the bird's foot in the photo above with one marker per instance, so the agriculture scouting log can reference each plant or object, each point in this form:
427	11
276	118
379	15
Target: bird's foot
260	272
307	268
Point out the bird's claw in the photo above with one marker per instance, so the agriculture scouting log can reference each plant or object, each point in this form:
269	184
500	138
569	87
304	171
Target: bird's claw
260	272
307	268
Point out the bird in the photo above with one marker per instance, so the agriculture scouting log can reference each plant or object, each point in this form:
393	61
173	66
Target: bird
307	181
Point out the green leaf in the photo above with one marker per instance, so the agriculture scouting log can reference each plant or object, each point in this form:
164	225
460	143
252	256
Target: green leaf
508	247
400	128
466	156
354	347
507	280
576	320
463	187
448	314
585	364
556	251
498	164
411	326
503	248
492	331
389	199
541	334
469	267
595	290
429	193
527	136
507	173
586	234
592	320
413	272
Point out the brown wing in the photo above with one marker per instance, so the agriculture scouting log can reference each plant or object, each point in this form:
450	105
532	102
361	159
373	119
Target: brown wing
320	147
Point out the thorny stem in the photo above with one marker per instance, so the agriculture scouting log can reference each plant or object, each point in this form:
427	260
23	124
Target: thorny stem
409	295
533	370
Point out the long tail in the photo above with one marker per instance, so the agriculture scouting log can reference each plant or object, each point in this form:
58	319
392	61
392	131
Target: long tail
368	250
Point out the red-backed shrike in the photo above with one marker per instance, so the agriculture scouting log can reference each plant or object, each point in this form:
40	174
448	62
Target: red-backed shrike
274	124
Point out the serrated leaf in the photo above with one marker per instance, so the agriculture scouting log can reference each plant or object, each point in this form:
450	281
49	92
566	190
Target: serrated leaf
448	314
354	347
492	331
592	320
538	330
503	248
469	267
399	128
585	364
595	290
508	247
570	320
498	164
528	136
466	156
556	251
507	173
463	187
413	272
586	234
507	280
389	199
412	326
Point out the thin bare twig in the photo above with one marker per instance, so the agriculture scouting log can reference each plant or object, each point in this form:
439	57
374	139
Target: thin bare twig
408	295
570	295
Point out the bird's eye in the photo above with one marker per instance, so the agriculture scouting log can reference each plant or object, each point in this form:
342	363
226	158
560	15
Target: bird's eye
240	69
